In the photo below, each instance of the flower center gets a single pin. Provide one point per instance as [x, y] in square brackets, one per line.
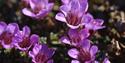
[40, 58]
[75, 38]
[37, 9]
[25, 43]
[73, 19]
[6, 37]
[84, 55]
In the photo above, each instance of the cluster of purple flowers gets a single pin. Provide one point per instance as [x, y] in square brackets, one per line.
[12, 37]
[74, 14]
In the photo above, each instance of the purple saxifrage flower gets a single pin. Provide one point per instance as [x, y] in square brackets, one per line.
[85, 54]
[106, 60]
[90, 23]
[23, 39]
[38, 8]
[7, 34]
[75, 36]
[72, 12]
[41, 54]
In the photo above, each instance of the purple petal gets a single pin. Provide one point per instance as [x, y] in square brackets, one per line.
[41, 13]
[75, 5]
[65, 40]
[12, 28]
[60, 17]
[44, 1]
[106, 60]
[26, 31]
[2, 27]
[36, 49]
[38, 3]
[49, 52]
[75, 61]
[44, 48]
[93, 50]
[88, 61]
[73, 33]
[73, 53]
[87, 18]
[65, 1]
[65, 9]
[98, 27]
[83, 5]
[73, 27]
[98, 24]
[32, 4]
[83, 0]
[50, 61]
[92, 23]
[90, 26]
[84, 33]
[33, 60]
[96, 62]
[88, 21]
[86, 44]
[27, 12]
[50, 6]
[34, 38]
[99, 21]
[31, 54]
[74, 36]
[18, 37]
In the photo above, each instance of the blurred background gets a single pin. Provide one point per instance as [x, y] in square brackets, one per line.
[110, 40]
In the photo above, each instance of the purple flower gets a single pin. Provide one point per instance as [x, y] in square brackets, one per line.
[23, 39]
[72, 12]
[41, 54]
[7, 34]
[91, 23]
[106, 60]
[38, 8]
[75, 36]
[85, 54]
